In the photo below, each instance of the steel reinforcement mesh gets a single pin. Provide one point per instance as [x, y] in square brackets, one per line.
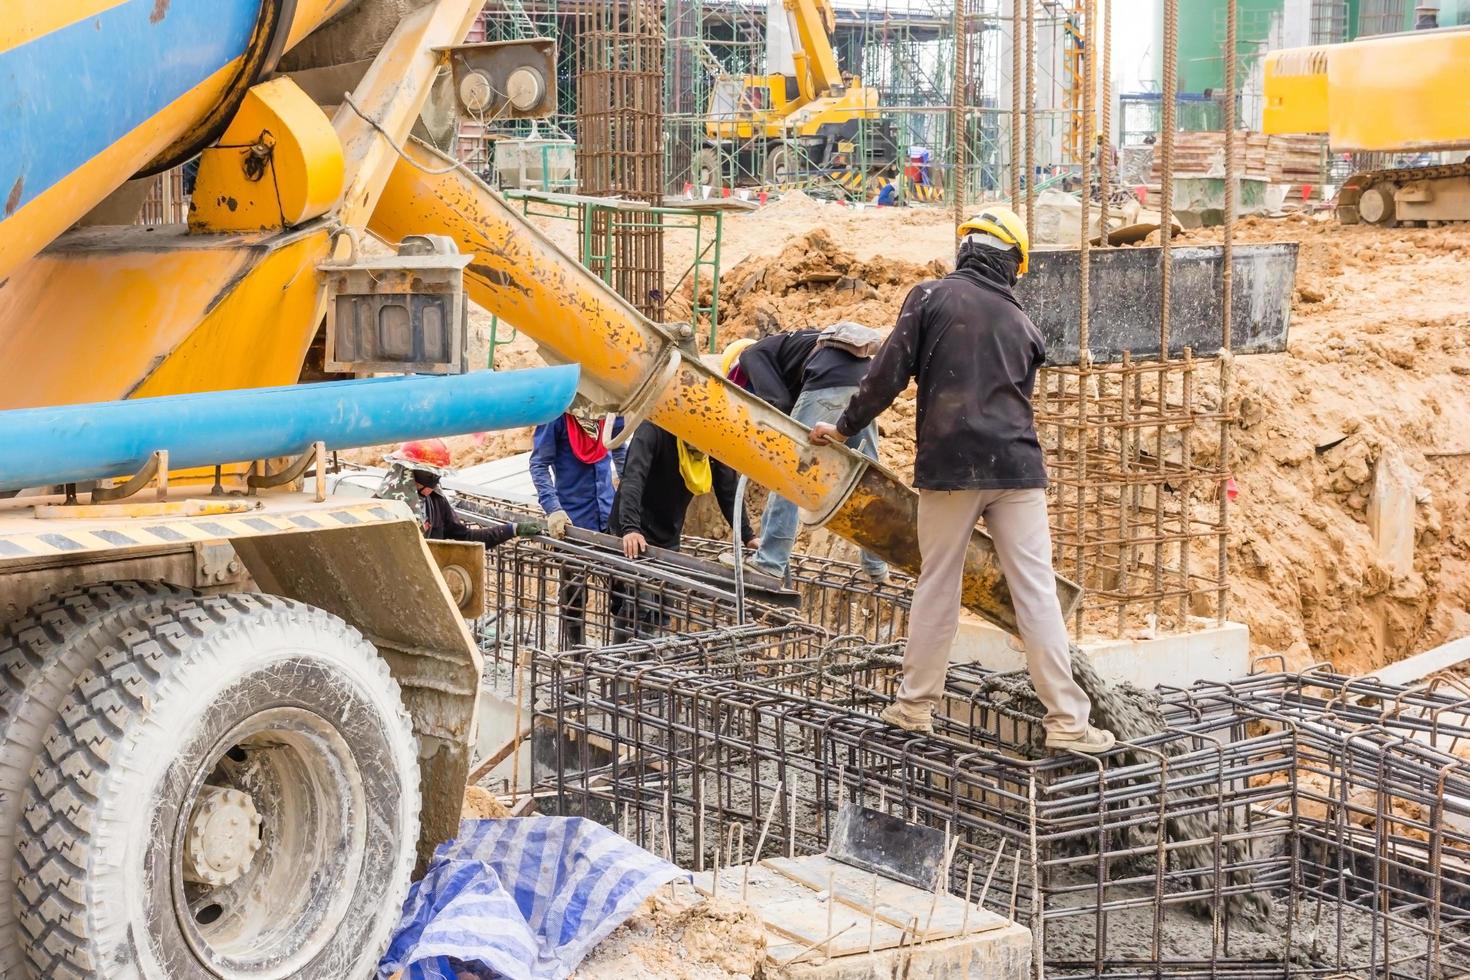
[523, 581]
[1287, 825]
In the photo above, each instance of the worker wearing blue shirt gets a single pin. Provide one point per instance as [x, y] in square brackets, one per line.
[572, 470]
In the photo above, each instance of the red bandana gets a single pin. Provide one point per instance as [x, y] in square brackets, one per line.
[586, 446]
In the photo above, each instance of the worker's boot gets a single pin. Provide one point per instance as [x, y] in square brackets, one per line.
[910, 717]
[1089, 741]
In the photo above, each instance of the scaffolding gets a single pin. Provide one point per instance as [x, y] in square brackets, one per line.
[942, 68]
[620, 153]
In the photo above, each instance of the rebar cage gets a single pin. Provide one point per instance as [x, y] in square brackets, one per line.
[1286, 825]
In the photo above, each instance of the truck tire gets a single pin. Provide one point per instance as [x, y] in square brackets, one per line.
[230, 791]
[706, 168]
[778, 164]
[41, 655]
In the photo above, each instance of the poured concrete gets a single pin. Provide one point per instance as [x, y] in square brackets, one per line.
[828, 921]
[1209, 653]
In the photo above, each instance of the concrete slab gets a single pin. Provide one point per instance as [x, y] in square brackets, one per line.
[1391, 512]
[1210, 653]
[828, 921]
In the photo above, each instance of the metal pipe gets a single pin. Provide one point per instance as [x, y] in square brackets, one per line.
[76, 443]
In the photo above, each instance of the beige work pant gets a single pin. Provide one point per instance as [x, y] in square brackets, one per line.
[1016, 520]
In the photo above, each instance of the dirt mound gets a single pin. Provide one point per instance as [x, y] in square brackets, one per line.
[698, 939]
[814, 281]
[481, 804]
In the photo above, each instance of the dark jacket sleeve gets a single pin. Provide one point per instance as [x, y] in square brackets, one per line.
[629, 515]
[457, 530]
[490, 537]
[725, 480]
[761, 363]
[543, 455]
[895, 363]
[620, 454]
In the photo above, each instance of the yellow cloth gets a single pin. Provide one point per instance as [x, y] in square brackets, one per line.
[694, 468]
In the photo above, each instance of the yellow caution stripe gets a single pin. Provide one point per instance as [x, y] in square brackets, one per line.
[52, 538]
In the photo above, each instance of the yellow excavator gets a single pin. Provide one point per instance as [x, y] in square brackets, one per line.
[238, 711]
[1398, 94]
[777, 128]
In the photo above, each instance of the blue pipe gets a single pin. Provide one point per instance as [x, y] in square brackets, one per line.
[77, 443]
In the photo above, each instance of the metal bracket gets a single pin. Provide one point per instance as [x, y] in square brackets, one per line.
[157, 465]
[292, 471]
[215, 563]
[641, 402]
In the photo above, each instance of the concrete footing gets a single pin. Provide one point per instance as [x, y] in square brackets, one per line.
[499, 716]
[828, 921]
[1210, 653]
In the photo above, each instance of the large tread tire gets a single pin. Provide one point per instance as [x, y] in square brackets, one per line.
[41, 656]
[707, 169]
[97, 880]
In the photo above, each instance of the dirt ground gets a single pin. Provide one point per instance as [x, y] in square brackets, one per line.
[1378, 363]
[680, 938]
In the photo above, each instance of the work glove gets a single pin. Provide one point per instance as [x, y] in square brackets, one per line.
[557, 522]
[529, 529]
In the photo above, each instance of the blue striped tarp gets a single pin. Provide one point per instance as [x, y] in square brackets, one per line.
[523, 898]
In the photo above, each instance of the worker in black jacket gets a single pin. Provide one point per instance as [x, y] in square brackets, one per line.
[441, 523]
[661, 476]
[413, 476]
[810, 375]
[975, 354]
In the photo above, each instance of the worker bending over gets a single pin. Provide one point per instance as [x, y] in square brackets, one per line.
[975, 354]
[572, 470]
[415, 469]
[662, 476]
[810, 375]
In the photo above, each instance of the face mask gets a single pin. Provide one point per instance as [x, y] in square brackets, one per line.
[589, 426]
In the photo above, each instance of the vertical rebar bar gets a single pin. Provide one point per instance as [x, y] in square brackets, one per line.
[1227, 312]
[1029, 121]
[957, 114]
[1105, 158]
[1170, 94]
[1084, 281]
[1017, 71]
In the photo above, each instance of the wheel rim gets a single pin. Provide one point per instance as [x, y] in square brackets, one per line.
[289, 900]
[779, 166]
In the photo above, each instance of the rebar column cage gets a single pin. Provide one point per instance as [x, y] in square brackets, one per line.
[620, 152]
[1289, 825]
[1134, 457]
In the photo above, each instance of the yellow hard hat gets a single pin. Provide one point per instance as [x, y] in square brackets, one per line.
[731, 354]
[1004, 224]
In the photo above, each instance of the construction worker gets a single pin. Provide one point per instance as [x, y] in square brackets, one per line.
[974, 354]
[415, 469]
[810, 375]
[662, 476]
[572, 470]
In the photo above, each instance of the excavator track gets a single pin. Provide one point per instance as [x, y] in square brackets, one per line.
[1368, 196]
